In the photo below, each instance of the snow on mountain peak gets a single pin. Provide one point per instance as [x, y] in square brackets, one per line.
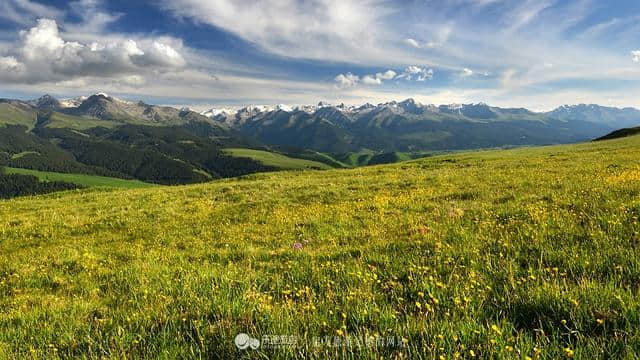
[283, 107]
[73, 102]
[211, 113]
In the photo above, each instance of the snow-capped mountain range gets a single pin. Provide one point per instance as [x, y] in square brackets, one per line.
[409, 125]
[391, 126]
[409, 106]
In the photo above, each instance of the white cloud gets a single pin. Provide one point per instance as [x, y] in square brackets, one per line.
[94, 17]
[417, 73]
[411, 73]
[159, 54]
[371, 80]
[43, 55]
[635, 56]
[10, 64]
[387, 75]
[346, 81]
[412, 42]
[527, 12]
[25, 11]
[318, 29]
[440, 36]
[466, 72]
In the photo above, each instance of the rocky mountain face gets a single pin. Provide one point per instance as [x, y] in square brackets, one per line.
[46, 102]
[104, 107]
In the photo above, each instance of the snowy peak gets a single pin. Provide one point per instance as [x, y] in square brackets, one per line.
[73, 102]
[408, 107]
[282, 107]
[212, 113]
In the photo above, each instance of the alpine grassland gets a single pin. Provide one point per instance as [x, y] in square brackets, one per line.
[530, 253]
[278, 161]
[80, 179]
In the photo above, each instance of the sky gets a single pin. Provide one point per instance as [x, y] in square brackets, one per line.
[537, 54]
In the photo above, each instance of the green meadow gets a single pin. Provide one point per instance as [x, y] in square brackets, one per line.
[277, 160]
[80, 179]
[515, 254]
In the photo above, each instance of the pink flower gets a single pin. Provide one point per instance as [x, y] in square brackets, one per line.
[297, 246]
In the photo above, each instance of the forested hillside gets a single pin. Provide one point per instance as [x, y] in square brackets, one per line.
[14, 185]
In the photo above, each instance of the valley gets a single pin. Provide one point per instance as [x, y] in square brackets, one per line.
[100, 135]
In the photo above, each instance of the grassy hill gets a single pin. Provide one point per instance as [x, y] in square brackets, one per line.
[277, 160]
[620, 133]
[60, 120]
[80, 179]
[12, 113]
[498, 254]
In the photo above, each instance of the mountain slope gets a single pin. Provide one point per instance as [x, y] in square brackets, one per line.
[80, 179]
[103, 135]
[98, 110]
[620, 134]
[611, 117]
[166, 155]
[17, 113]
[484, 245]
[277, 160]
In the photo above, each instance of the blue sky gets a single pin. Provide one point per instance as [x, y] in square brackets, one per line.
[537, 54]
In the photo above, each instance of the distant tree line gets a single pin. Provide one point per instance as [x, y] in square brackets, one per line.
[13, 185]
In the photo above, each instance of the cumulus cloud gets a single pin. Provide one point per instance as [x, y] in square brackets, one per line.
[379, 78]
[387, 75]
[9, 63]
[417, 73]
[42, 55]
[411, 73]
[371, 80]
[635, 56]
[346, 81]
[162, 55]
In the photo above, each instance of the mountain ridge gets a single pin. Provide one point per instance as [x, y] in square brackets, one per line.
[404, 126]
[409, 105]
[411, 126]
